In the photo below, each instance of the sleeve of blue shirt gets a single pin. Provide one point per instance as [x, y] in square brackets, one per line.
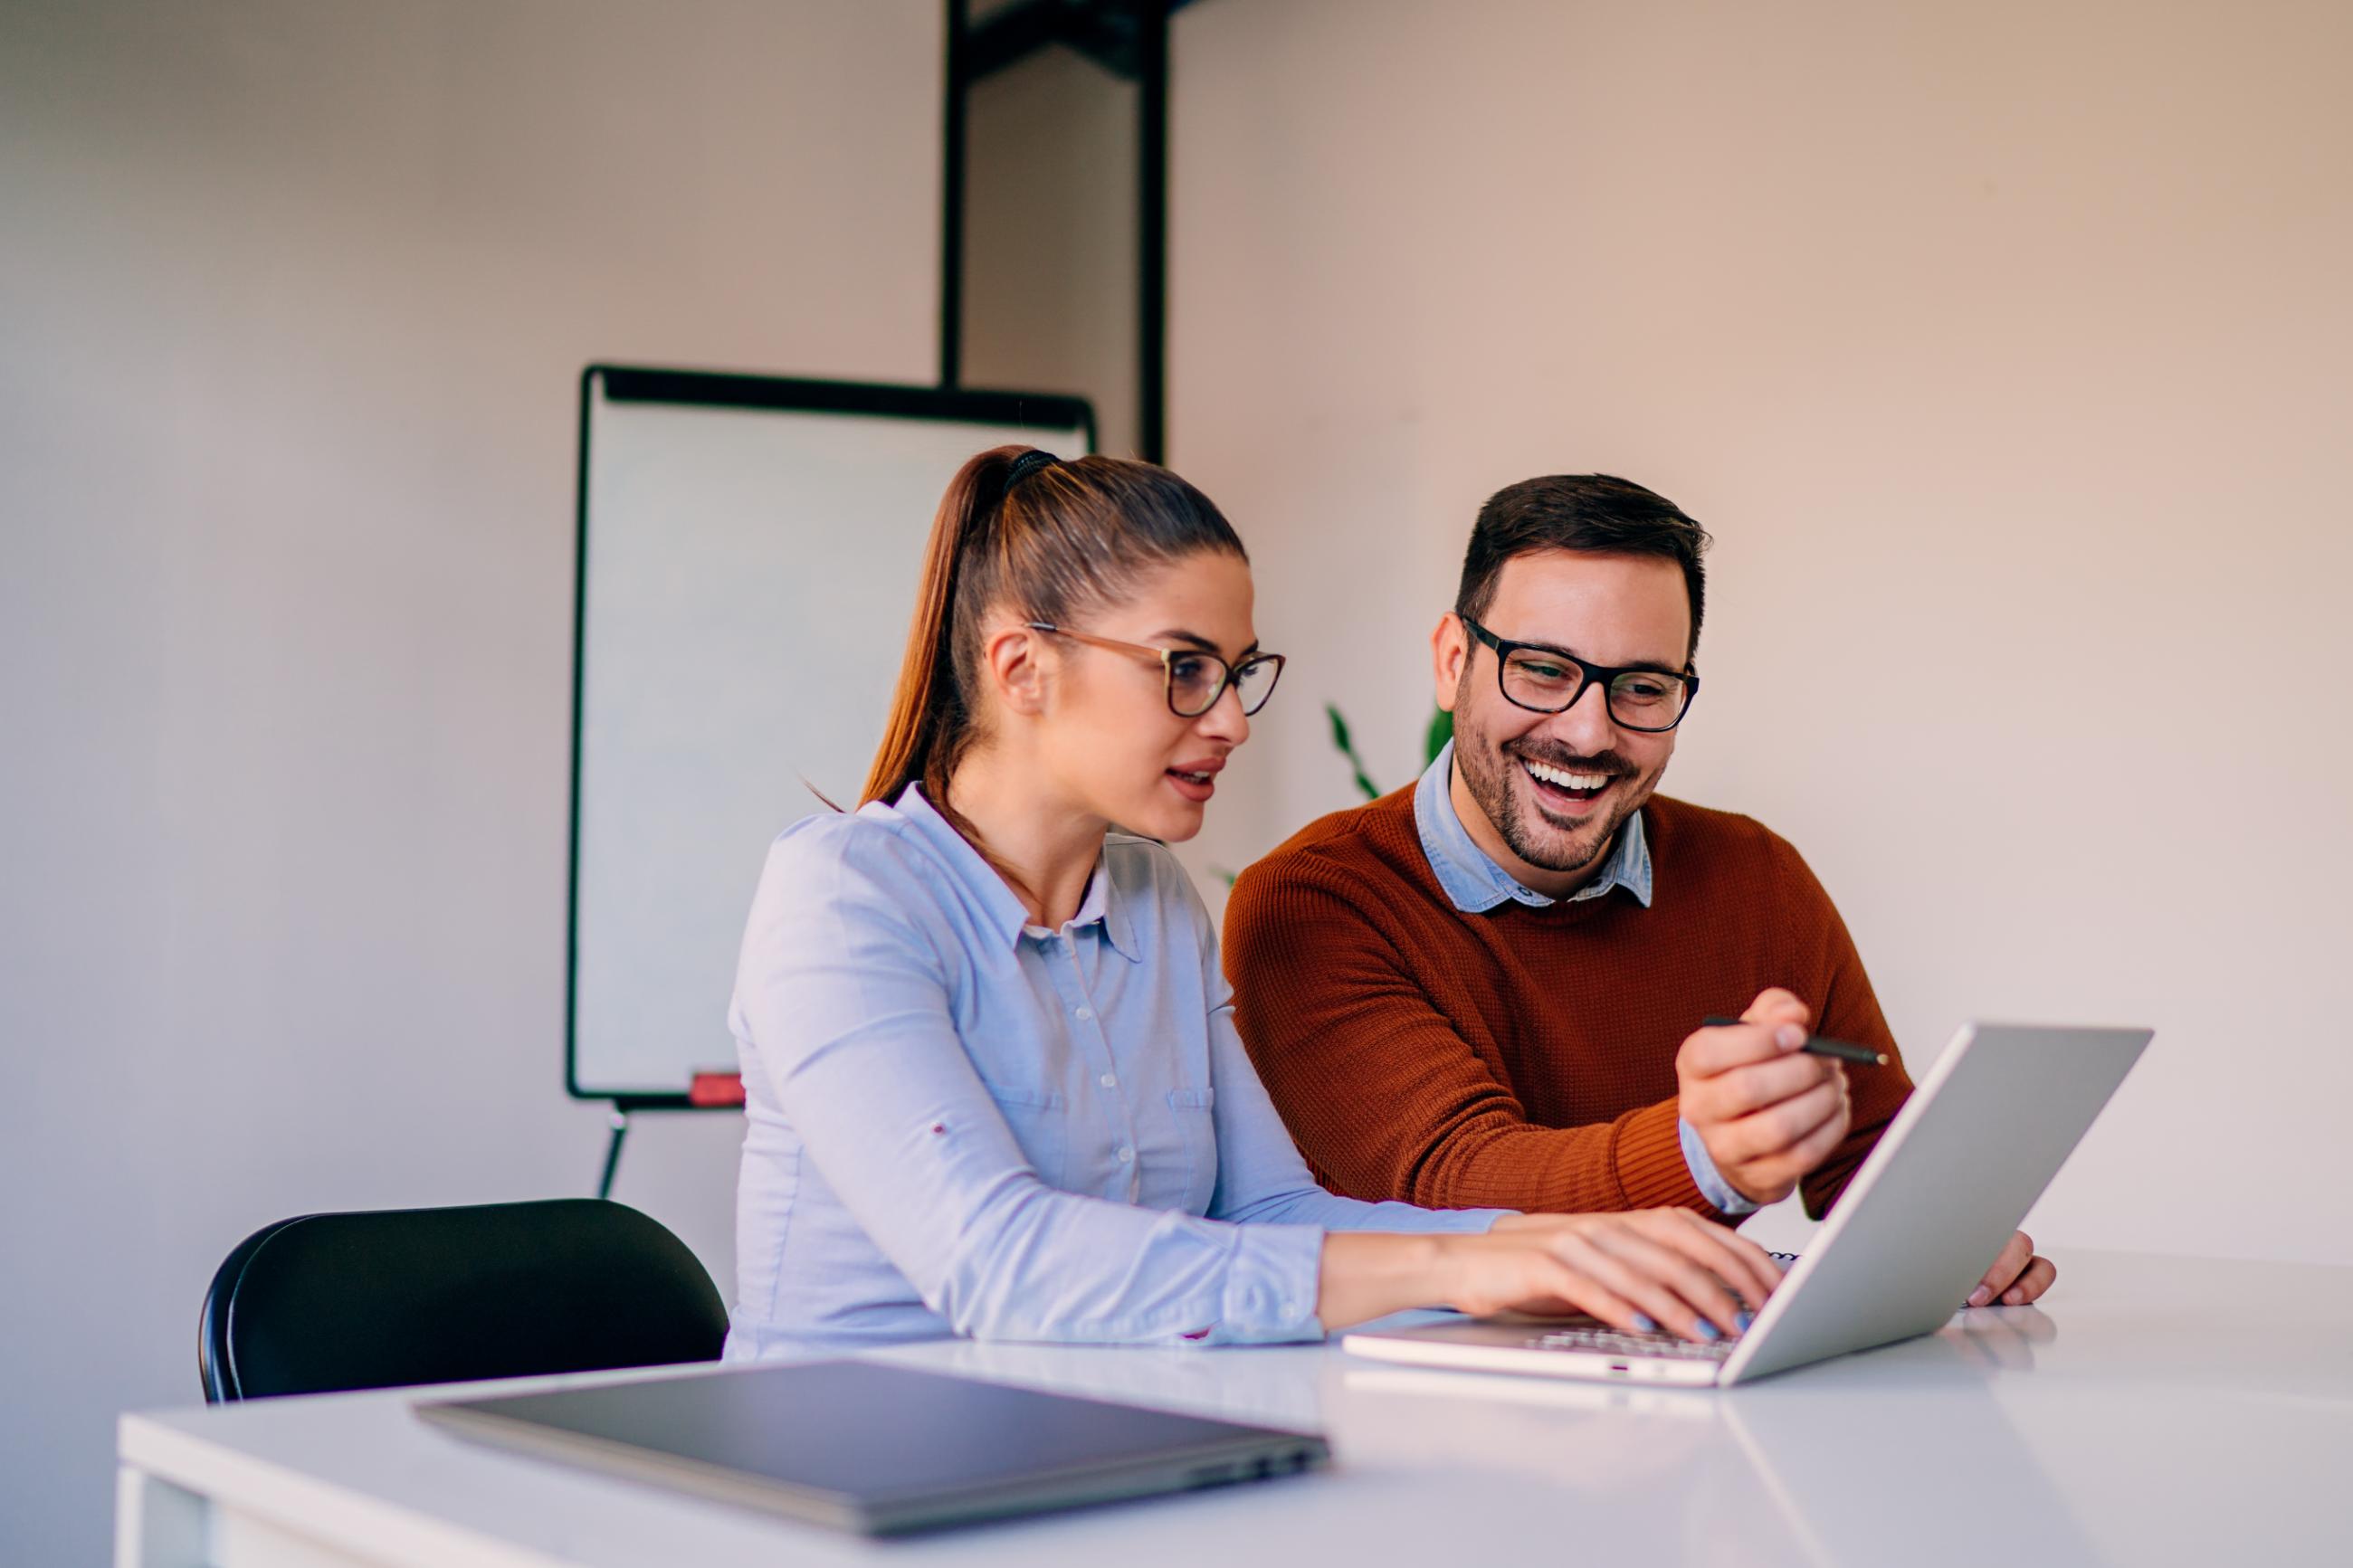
[1706, 1177]
[848, 1002]
[1261, 1177]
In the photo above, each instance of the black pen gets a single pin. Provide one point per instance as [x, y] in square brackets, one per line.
[1818, 1045]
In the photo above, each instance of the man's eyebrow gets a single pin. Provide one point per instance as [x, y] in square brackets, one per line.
[1196, 640]
[1654, 667]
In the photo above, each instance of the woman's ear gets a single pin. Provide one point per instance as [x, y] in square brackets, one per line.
[1012, 665]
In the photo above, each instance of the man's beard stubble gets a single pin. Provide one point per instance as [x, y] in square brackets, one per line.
[1487, 773]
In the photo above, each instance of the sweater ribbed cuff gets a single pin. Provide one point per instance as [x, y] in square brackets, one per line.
[1648, 1154]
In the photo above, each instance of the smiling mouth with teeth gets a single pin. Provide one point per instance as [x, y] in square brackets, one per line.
[1190, 778]
[1575, 784]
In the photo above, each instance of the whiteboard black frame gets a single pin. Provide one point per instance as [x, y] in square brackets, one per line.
[1016, 411]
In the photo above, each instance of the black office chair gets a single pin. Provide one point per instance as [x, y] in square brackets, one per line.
[334, 1301]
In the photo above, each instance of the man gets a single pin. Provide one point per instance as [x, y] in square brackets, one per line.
[1487, 990]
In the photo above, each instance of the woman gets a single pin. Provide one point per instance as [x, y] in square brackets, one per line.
[993, 1081]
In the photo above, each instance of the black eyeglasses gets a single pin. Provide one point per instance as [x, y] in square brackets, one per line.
[1196, 680]
[1545, 679]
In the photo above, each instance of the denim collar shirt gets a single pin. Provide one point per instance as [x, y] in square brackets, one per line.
[958, 1122]
[1469, 874]
[1475, 884]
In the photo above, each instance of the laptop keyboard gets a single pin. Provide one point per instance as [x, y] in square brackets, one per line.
[1612, 1342]
[1607, 1340]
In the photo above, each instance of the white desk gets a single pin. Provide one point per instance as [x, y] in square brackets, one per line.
[2162, 1411]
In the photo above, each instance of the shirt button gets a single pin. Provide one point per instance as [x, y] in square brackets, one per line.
[1110, 1080]
[1126, 1155]
[1086, 1014]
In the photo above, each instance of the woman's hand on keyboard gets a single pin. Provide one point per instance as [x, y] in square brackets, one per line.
[1642, 1270]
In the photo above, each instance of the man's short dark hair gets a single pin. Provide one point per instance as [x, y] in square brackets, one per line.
[1596, 512]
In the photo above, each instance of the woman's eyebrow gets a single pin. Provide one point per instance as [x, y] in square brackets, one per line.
[1200, 643]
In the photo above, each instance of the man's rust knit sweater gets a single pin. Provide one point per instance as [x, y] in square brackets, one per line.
[1524, 1057]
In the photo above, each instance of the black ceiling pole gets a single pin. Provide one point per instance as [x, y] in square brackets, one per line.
[951, 194]
[1152, 229]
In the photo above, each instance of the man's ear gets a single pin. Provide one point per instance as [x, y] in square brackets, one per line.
[1449, 646]
[1012, 668]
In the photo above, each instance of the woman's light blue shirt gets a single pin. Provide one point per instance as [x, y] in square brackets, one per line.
[960, 1123]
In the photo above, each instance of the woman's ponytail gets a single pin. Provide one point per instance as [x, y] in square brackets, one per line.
[928, 723]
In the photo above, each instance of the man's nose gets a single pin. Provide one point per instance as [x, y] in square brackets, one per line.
[1585, 725]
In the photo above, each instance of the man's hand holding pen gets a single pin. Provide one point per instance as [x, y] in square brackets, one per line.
[1768, 1110]
[1771, 1102]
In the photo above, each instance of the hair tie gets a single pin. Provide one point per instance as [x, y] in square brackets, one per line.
[1027, 464]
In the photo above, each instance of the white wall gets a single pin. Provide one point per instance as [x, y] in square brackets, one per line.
[1049, 232]
[2003, 347]
[294, 296]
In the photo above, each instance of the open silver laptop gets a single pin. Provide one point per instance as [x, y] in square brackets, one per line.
[1951, 1177]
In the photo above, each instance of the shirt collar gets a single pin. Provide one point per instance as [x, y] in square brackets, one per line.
[1106, 901]
[1105, 904]
[1471, 877]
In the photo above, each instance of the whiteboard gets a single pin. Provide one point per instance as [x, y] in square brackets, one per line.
[747, 561]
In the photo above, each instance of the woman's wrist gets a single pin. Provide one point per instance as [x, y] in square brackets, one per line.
[1365, 1275]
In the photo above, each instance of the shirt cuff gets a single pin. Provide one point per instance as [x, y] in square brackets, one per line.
[1406, 1218]
[1272, 1284]
[1706, 1177]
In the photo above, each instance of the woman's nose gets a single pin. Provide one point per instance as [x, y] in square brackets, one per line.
[1224, 720]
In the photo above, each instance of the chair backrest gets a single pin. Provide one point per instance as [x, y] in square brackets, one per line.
[404, 1296]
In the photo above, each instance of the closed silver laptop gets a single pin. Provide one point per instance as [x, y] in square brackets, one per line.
[877, 1448]
[1952, 1176]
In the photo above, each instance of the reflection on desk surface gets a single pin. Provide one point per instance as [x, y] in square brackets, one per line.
[1845, 1497]
[1770, 1475]
[1272, 1387]
[1982, 1443]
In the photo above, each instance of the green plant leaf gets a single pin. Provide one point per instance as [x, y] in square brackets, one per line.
[1347, 749]
[1442, 729]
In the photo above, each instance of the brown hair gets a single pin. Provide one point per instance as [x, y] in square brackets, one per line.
[1021, 530]
[1598, 512]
